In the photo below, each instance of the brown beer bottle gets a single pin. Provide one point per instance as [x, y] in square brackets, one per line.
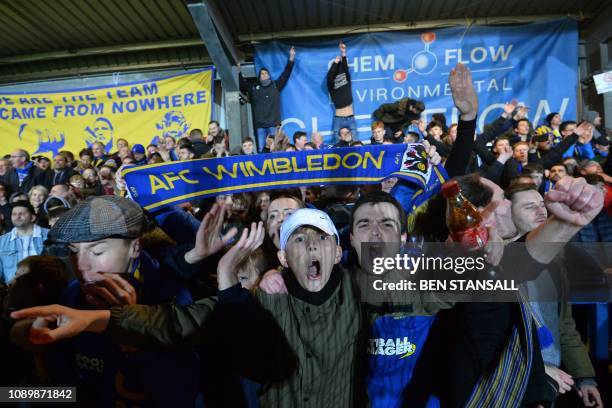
[463, 219]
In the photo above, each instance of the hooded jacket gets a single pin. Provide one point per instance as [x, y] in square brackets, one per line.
[265, 98]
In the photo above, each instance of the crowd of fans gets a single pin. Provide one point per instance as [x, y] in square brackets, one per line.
[254, 298]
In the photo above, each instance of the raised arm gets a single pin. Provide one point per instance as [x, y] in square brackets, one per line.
[466, 101]
[582, 135]
[242, 82]
[500, 125]
[331, 74]
[573, 204]
[345, 66]
[284, 77]
[495, 170]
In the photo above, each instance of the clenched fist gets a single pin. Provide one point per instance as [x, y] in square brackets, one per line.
[574, 201]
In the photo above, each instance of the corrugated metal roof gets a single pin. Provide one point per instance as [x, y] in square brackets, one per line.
[49, 31]
[53, 38]
[32, 26]
[249, 19]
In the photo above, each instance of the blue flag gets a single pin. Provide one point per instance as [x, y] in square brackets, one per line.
[535, 63]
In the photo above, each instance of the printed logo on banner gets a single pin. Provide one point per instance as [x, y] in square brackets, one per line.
[414, 161]
[422, 63]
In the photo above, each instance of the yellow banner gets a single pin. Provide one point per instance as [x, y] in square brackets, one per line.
[72, 119]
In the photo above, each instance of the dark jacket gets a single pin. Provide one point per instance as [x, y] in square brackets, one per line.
[459, 155]
[555, 154]
[396, 115]
[502, 174]
[342, 143]
[7, 224]
[53, 177]
[497, 128]
[442, 148]
[200, 148]
[34, 177]
[266, 99]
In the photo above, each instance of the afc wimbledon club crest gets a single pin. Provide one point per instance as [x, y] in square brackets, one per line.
[414, 162]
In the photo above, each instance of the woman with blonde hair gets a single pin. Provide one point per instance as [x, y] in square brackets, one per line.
[37, 196]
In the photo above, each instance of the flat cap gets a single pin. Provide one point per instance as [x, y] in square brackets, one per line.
[99, 218]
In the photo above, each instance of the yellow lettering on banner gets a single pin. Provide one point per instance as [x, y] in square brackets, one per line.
[281, 165]
[376, 162]
[295, 166]
[243, 170]
[311, 164]
[265, 169]
[170, 178]
[185, 179]
[327, 165]
[352, 166]
[221, 169]
[157, 184]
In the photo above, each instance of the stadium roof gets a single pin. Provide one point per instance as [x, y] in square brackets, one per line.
[44, 39]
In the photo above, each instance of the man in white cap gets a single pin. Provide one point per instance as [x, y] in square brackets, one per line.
[319, 316]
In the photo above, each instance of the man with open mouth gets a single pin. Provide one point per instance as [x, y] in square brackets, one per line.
[301, 345]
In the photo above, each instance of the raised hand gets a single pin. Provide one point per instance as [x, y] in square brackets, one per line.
[272, 282]
[280, 137]
[422, 125]
[521, 113]
[342, 47]
[494, 248]
[584, 132]
[505, 154]
[464, 94]
[432, 155]
[292, 54]
[574, 201]
[509, 107]
[249, 241]
[119, 179]
[209, 239]
[55, 322]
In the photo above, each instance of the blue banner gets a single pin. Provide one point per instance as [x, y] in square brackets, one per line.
[159, 185]
[535, 63]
